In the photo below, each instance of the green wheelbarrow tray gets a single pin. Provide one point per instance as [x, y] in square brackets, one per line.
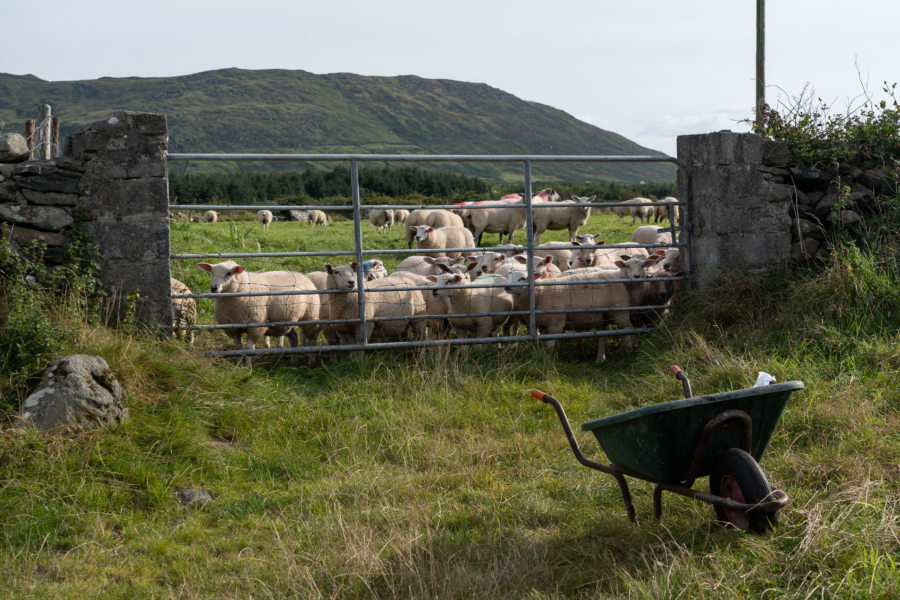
[661, 442]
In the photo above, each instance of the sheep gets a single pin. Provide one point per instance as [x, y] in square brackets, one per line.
[230, 277]
[416, 217]
[606, 296]
[210, 216]
[473, 300]
[594, 257]
[393, 303]
[647, 234]
[184, 311]
[501, 220]
[317, 217]
[426, 265]
[374, 269]
[653, 292]
[661, 211]
[436, 307]
[501, 264]
[561, 217]
[400, 215]
[638, 211]
[264, 217]
[381, 219]
[439, 218]
[430, 238]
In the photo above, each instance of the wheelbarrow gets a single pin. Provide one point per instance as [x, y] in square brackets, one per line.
[672, 444]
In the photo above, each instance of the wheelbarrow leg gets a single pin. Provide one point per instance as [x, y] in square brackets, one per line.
[611, 469]
[657, 503]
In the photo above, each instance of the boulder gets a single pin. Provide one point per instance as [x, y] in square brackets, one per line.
[13, 148]
[76, 390]
[299, 215]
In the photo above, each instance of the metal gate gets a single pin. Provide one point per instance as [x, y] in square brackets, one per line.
[680, 239]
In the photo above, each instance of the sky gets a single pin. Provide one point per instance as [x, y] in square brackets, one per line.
[649, 70]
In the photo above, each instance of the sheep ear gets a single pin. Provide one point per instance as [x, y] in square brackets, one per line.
[601, 242]
[205, 266]
[412, 228]
[457, 278]
[624, 256]
[237, 270]
[354, 265]
[592, 198]
[431, 278]
[329, 269]
[548, 260]
[660, 253]
[430, 229]
[620, 264]
[471, 260]
[500, 257]
[428, 259]
[447, 269]
[522, 260]
[459, 260]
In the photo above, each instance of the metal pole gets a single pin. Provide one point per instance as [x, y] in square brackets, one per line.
[760, 56]
[529, 238]
[357, 235]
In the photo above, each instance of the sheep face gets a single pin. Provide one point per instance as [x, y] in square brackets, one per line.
[515, 278]
[224, 274]
[446, 283]
[484, 264]
[636, 267]
[344, 277]
[421, 232]
[374, 269]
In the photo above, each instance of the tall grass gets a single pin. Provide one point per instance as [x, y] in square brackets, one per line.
[436, 475]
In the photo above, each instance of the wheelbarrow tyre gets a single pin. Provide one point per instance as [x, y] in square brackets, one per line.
[737, 476]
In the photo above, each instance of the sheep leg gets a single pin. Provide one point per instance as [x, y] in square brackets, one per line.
[292, 336]
[601, 349]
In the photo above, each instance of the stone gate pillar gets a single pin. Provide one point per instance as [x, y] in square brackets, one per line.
[740, 215]
[123, 207]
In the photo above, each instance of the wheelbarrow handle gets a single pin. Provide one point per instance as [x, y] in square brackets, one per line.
[683, 378]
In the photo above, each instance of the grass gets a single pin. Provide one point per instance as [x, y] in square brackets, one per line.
[436, 475]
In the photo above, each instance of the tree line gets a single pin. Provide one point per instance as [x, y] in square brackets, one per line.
[399, 183]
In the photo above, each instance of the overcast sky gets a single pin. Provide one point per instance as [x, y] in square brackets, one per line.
[648, 70]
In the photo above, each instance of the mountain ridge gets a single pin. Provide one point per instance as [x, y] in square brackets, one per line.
[296, 111]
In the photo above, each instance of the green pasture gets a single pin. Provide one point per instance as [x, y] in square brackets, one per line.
[436, 475]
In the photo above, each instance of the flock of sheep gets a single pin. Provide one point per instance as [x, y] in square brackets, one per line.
[455, 288]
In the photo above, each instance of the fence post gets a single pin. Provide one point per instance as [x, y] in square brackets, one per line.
[54, 146]
[44, 128]
[29, 137]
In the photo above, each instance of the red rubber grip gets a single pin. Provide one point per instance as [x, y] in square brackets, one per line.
[539, 394]
[675, 369]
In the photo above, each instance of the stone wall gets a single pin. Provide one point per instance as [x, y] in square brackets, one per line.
[739, 215]
[112, 182]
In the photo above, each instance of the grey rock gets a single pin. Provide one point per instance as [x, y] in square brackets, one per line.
[193, 497]
[50, 198]
[805, 250]
[844, 218]
[807, 228]
[76, 390]
[13, 148]
[299, 215]
[776, 154]
[810, 175]
[50, 218]
[25, 235]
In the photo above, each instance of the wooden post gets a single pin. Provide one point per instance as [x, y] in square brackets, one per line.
[29, 137]
[760, 56]
[55, 137]
[44, 132]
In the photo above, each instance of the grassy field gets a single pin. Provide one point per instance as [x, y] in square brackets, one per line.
[436, 475]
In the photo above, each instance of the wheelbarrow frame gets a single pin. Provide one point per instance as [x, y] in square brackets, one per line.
[770, 503]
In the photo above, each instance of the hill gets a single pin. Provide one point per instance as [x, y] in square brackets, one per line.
[280, 111]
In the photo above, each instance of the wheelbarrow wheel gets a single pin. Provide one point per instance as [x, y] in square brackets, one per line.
[737, 476]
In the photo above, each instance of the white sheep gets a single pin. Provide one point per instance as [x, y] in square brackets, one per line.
[387, 303]
[317, 217]
[400, 215]
[603, 296]
[427, 265]
[440, 217]
[381, 219]
[416, 217]
[561, 216]
[464, 299]
[429, 238]
[374, 269]
[184, 312]
[264, 217]
[210, 216]
[662, 210]
[230, 277]
[501, 220]
[641, 208]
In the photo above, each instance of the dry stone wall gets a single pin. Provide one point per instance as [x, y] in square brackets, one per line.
[112, 182]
